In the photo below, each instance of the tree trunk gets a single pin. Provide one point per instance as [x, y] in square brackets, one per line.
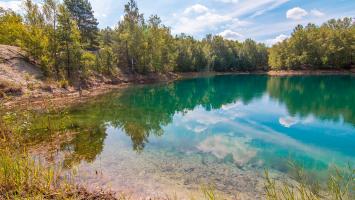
[68, 60]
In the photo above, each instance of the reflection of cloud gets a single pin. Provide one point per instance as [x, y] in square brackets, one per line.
[232, 106]
[232, 111]
[200, 116]
[308, 120]
[196, 129]
[291, 121]
[222, 146]
[288, 121]
[252, 129]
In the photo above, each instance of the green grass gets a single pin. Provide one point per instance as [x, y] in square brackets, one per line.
[23, 177]
[340, 185]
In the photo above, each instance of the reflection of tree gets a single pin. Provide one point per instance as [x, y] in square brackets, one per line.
[326, 97]
[142, 111]
[86, 145]
[80, 138]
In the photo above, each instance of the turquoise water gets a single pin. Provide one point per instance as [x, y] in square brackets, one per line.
[221, 130]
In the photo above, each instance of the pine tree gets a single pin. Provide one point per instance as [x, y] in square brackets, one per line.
[81, 11]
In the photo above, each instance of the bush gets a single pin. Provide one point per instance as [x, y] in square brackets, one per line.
[64, 84]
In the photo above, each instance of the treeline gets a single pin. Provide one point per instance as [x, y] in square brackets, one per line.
[331, 45]
[148, 46]
[65, 40]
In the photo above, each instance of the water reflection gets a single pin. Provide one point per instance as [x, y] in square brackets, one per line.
[326, 97]
[261, 112]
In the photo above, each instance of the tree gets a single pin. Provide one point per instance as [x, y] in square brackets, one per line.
[129, 39]
[36, 42]
[82, 13]
[69, 36]
[313, 47]
[12, 29]
[106, 61]
[50, 10]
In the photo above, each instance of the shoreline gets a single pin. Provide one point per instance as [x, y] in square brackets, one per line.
[72, 96]
[306, 72]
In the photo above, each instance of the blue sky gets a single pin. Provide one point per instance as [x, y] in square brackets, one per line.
[266, 21]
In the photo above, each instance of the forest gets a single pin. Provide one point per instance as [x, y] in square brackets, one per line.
[330, 45]
[66, 43]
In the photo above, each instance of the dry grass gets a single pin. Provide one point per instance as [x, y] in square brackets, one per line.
[7, 88]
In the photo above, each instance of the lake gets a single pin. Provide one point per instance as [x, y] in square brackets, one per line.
[223, 131]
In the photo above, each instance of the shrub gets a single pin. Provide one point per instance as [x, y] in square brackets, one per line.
[64, 84]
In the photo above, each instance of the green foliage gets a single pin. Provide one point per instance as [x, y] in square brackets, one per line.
[149, 47]
[106, 61]
[51, 11]
[70, 47]
[328, 46]
[12, 28]
[81, 11]
[88, 61]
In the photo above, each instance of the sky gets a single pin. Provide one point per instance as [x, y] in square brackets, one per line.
[267, 21]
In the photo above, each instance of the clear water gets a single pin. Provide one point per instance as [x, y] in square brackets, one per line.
[222, 131]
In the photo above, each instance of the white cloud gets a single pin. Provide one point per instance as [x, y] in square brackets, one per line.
[317, 13]
[256, 7]
[13, 5]
[197, 8]
[190, 23]
[231, 35]
[296, 13]
[237, 23]
[228, 1]
[272, 6]
[276, 40]
[198, 19]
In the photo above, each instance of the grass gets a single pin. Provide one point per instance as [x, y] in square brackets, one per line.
[339, 186]
[7, 88]
[23, 177]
